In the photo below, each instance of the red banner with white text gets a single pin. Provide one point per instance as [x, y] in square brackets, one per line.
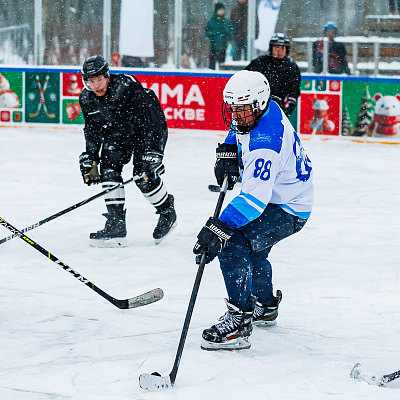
[189, 102]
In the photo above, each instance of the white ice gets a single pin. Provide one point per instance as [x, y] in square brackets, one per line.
[339, 277]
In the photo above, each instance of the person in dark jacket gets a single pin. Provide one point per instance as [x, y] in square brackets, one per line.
[219, 31]
[238, 20]
[337, 55]
[123, 119]
[282, 73]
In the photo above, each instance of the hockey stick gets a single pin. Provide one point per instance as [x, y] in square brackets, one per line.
[41, 102]
[75, 206]
[133, 302]
[360, 373]
[155, 381]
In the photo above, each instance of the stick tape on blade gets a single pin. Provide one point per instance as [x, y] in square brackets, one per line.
[146, 298]
[154, 382]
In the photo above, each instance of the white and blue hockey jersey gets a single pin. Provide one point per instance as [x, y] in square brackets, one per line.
[274, 168]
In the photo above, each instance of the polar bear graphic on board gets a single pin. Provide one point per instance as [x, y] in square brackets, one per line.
[8, 99]
[386, 120]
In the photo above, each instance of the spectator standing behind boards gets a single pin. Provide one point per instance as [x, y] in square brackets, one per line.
[337, 56]
[239, 24]
[282, 73]
[219, 31]
[392, 6]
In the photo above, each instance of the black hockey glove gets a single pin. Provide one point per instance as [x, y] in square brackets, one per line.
[290, 105]
[212, 239]
[227, 164]
[150, 164]
[89, 169]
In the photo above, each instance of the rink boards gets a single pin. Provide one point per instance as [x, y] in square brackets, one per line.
[329, 105]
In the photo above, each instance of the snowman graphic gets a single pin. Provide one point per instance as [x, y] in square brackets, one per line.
[386, 120]
[8, 99]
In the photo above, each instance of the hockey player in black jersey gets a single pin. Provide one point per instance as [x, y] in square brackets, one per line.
[123, 119]
[282, 73]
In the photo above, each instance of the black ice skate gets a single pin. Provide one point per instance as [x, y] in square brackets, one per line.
[266, 315]
[167, 220]
[230, 334]
[113, 234]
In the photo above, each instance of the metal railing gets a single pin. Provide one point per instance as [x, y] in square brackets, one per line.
[366, 54]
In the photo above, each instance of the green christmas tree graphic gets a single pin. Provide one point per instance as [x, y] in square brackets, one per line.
[365, 114]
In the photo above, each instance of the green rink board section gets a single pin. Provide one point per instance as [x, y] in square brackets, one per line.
[42, 97]
[41, 100]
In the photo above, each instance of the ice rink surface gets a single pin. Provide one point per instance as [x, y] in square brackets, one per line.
[339, 277]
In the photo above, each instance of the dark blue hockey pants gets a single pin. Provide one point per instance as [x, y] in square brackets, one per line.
[244, 259]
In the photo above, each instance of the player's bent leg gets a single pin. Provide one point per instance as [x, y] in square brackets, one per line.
[237, 270]
[265, 304]
[154, 191]
[114, 233]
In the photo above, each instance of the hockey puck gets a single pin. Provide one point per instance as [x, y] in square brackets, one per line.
[156, 374]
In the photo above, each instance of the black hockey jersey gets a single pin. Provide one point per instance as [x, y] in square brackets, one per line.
[283, 76]
[127, 117]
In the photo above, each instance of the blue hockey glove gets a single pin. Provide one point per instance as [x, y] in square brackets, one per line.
[227, 164]
[89, 171]
[211, 239]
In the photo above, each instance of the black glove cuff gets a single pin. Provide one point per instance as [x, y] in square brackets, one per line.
[152, 157]
[219, 228]
[225, 150]
[85, 163]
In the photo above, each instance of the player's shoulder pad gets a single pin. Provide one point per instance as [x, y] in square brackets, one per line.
[268, 134]
[129, 79]
[84, 96]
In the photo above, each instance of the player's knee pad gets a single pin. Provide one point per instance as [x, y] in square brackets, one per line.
[111, 175]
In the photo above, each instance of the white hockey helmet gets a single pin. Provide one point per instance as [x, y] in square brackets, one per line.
[247, 87]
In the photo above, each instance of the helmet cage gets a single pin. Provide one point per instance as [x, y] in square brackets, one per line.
[250, 120]
[245, 88]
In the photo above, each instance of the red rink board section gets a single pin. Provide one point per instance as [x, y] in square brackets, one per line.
[189, 102]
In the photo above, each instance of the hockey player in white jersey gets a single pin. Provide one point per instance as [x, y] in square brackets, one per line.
[275, 202]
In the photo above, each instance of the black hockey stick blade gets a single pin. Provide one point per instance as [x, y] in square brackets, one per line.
[133, 302]
[214, 188]
[362, 374]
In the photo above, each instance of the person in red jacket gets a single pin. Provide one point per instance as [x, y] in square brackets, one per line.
[337, 55]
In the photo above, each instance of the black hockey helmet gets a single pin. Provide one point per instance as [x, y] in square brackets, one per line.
[95, 66]
[280, 39]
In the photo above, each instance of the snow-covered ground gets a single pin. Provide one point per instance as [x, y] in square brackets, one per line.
[339, 277]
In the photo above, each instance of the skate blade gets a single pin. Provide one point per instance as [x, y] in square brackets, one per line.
[263, 324]
[172, 228]
[234, 344]
[114, 242]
